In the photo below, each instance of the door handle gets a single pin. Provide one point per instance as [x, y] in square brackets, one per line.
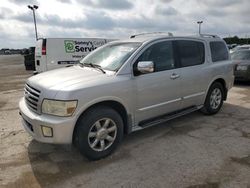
[174, 76]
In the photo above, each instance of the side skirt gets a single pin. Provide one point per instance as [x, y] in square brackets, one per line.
[164, 118]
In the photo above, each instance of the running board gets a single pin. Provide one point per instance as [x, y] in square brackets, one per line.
[167, 117]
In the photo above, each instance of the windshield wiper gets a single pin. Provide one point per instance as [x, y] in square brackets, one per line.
[94, 66]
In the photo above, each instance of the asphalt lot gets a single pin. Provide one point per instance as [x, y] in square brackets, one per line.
[194, 151]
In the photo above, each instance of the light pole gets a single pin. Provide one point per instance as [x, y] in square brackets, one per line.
[199, 23]
[33, 8]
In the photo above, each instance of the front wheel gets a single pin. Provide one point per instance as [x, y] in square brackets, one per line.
[99, 132]
[214, 99]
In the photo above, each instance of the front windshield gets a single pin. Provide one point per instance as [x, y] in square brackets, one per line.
[111, 57]
[241, 55]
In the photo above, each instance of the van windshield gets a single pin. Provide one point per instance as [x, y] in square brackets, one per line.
[111, 57]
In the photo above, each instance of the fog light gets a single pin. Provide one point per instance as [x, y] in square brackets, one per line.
[47, 131]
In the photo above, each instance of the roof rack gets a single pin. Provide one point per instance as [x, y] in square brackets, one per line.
[209, 35]
[152, 33]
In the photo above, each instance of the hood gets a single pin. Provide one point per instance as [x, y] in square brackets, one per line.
[64, 77]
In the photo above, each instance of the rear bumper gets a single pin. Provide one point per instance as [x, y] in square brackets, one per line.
[62, 126]
[242, 75]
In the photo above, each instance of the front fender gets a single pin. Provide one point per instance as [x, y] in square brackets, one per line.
[83, 108]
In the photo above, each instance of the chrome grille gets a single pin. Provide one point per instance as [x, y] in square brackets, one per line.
[31, 97]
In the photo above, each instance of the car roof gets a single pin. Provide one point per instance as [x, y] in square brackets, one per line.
[148, 38]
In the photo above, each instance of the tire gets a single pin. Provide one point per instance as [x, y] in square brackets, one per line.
[92, 138]
[210, 106]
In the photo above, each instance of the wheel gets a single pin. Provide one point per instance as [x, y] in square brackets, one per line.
[98, 132]
[214, 99]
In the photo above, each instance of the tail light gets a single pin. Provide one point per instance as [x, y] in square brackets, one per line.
[44, 47]
[44, 51]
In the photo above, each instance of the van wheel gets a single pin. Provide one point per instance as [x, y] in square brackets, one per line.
[214, 99]
[98, 132]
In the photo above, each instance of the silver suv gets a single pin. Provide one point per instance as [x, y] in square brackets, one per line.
[126, 86]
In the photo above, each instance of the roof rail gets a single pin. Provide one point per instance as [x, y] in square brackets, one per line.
[152, 33]
[209, 35]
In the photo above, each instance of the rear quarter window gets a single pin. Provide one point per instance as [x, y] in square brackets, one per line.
[219, 51]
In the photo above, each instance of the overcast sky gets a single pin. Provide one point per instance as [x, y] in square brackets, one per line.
[119, 18]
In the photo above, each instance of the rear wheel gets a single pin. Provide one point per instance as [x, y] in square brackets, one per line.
[214, 99]
[99, 132]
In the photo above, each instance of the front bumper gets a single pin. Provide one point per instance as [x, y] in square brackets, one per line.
[63, 127]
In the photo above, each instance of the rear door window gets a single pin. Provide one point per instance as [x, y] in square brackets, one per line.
[219, 51]
[190, 53]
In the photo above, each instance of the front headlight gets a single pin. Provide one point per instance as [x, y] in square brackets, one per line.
[58, 108]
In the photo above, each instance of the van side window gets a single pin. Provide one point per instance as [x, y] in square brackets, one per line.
[161, 54]
[218, 51]
[191, 52]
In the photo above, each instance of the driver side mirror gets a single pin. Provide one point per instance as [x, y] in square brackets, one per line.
[145, 67]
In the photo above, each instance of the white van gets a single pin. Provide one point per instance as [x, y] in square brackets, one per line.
[52, 53]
